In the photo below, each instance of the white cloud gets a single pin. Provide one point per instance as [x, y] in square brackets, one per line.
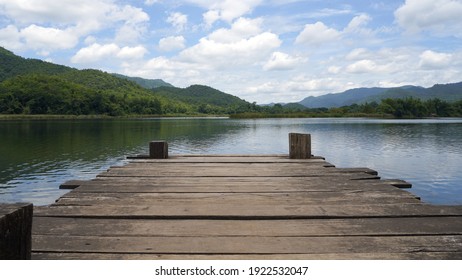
[242, 28]
[281, 61]
[151, 2]
[128, 53]
[442, 17]
[358, 22]
[172, 43]
[10, 38]
[94, 53]
[334, 69]
[434, 60]
[128, 14]
[42, 38]
[62, 12]
[362, 66]
[358, 54]
[97, 52]
[128, 33]
[51, 25]
[243, 44]
[210, 18]
[317, 34]
[295, 89]
[179, 73]
[224, 55]
[357, 26]
[226, 10]
[178, 20]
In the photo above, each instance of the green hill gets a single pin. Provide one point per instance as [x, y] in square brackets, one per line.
[145, 83]
[198, 94]
[31, 86]
[448, 92]
[207, 99]
[12, 65]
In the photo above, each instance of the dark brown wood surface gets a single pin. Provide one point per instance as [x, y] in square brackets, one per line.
[15, 231]
[243, 207]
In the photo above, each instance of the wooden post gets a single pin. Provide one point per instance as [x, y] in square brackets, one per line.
[158, 149]
[299, 146]
[15, 231]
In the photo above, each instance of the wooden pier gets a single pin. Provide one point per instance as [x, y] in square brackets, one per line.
[243, 207]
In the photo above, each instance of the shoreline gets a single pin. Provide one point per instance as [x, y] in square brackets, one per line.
[231, 116]
[99, 117]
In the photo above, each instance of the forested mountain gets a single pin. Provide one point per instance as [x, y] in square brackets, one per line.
[12, 65]
[146, 83]
[448, 92]
[345, 98]
[30, 86]
[207, 100]
[201, 95]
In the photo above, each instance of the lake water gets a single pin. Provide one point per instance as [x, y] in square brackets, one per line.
[37, 156]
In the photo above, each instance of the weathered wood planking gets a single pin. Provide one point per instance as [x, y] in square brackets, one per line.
[243, 207]
[250, 245]
[334, 256]
[231, 159]
[232, 170]
[15, 231]
[275, 198]
[283, 227]
[169, 209]
[232, 184]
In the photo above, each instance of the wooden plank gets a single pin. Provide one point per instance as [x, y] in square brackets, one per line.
[299, 146]
[216, 159]
[71, 184]
[282, 182]
[158, 149]
[301, 227]
[238, 207]
[15, 231]
[230, 171]
[281, 165]
[268, 175]
[251, 211]
[398, 183]
[249, 245]
[153, 187]
[249, 195]
[352, 197]
[332, 256]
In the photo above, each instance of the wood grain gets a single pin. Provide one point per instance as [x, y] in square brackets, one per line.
[243, 207]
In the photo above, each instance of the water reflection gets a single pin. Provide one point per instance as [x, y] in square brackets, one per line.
[36, 156]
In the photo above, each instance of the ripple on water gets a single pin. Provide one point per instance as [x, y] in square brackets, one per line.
[427, 153]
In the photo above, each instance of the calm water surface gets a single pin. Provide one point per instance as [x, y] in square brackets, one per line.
[37, 156]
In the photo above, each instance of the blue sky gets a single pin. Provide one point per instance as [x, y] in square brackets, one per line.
[260, 50]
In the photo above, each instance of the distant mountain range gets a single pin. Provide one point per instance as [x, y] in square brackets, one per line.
[447, 92]
[32, 86]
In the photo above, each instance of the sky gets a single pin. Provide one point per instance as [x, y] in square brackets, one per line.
[260, 50]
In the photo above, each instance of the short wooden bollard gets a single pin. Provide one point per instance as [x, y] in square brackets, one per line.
[299, 146]
[15, 231]
[158, 149]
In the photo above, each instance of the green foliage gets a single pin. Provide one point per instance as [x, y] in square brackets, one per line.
[145, 83]
[43, 94]
[12, 66]
[205, 100]
[30, 86]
